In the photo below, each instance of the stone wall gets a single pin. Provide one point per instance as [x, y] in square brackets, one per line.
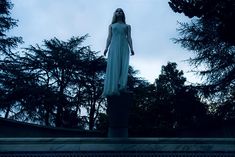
[11, 128]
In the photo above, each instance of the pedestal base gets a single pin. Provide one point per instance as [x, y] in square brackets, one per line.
[118, 111]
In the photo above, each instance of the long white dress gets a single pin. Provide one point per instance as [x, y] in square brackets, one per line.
[118, 61]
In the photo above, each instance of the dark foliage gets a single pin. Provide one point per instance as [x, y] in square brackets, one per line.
[6, 66]
[179, 105]
[7, 23]
[166, 105]
[60, 83]
[211, 35]
[48, 82]
[220, 11]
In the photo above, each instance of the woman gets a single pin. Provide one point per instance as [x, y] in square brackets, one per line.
[118, 46]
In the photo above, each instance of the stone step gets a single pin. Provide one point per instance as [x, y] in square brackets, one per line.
[183, 145]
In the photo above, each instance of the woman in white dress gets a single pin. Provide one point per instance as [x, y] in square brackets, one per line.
[118, 46]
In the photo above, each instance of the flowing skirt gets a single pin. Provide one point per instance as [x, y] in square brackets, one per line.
[117, 67]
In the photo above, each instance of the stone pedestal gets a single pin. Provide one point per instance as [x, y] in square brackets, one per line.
[118, 111]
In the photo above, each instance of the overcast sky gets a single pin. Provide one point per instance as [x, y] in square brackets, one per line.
[153, 25]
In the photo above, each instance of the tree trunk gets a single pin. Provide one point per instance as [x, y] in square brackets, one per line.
[47, 115]
[59, 116]
[60, 106]
[91, 117]
[7, 112]
[61, 102]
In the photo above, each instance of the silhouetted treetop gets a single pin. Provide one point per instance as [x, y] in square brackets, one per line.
[211, 36]
[5, 6]
[171, 79]
[7, 23]
[219, 12]
[204, 8]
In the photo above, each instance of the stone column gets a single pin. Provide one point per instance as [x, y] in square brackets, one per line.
[118, 111]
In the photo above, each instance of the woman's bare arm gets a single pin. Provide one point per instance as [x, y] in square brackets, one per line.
[108, 40]
[130, 39]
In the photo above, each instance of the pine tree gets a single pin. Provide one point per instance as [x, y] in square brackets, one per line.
[177, 105]
[211, 36]
[7, 57]
[7, 23]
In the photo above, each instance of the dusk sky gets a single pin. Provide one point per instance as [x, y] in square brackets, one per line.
[153, 25]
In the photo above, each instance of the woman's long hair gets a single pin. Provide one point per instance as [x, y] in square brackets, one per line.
[114, 20]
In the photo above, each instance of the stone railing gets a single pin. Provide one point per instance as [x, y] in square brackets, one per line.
[117, 147]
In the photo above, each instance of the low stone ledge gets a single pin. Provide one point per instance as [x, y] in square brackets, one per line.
[118, 144]
[16, 129]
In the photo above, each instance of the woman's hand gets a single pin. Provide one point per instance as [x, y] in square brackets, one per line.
[132, 52]
[105, 51]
